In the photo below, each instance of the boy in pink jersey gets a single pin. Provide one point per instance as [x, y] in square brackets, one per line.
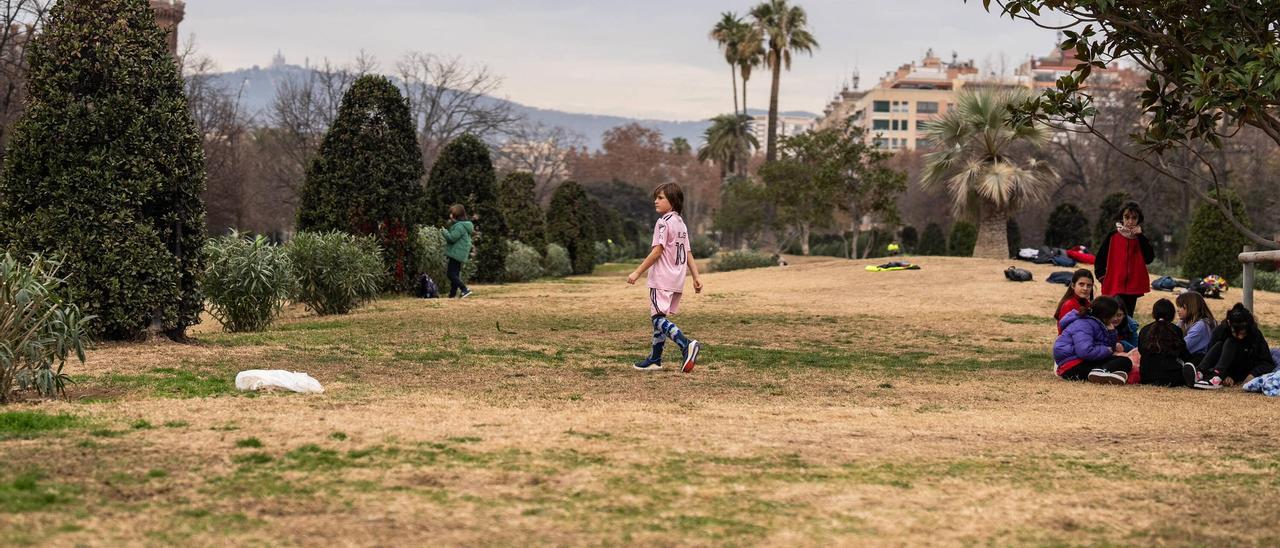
[670, 259]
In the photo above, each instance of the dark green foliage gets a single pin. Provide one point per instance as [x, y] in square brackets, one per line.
[367, 177]
[105, 169]
[336, 271]
[1067, 227]
[933, 241]
[1108, 215]
[1014, 234]
[964, 236]
[627, 216]
[1213, 245]
[703, 247]
[525, 221]
[743, 211]
[568, 224]
[463, 174]
[738, 260]
[910, 239]
[247, 280]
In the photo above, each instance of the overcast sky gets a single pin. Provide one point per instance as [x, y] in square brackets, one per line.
[638, 58]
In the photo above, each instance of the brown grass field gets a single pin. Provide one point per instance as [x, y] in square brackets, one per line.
[831, 406]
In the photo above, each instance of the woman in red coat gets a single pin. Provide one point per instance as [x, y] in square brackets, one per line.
[1123, 258]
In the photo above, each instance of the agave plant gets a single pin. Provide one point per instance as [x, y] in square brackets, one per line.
[39, 330]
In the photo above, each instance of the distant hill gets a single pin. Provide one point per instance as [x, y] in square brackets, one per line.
[260, 88]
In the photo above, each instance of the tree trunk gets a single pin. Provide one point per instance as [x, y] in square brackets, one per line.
[855, 227]
[771, 150]
[993, 237]
[744, 97]
[733, 77]
[804, 239]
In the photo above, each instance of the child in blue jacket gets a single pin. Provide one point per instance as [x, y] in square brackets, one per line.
[1087, 347]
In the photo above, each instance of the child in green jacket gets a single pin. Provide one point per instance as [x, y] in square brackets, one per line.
[458, 248]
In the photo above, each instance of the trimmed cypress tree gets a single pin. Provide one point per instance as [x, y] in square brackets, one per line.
[1108, 215]
[525, 221]
[568, 224]
[1067, 227]
[910, 239]
[1213, 245]
[964, 236]
[933, 241]
[367, 177]
[463, 174]
[105, 169]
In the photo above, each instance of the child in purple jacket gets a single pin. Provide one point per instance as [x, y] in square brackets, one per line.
[1087, 347]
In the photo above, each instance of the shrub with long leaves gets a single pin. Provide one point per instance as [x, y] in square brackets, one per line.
[336, 272]
[524, 263]
[246, 280]
[557, 262]
[38, 328]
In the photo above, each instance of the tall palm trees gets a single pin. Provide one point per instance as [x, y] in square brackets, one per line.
[977, 161]
[729, 34]
[786, 27]
[729, 143]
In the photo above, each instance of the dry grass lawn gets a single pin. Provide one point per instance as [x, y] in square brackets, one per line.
[831, 406]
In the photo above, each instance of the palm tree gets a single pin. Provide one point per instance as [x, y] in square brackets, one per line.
[750, 55]
[787, 29]
[727, 33]
[978, 161]
[728, 142]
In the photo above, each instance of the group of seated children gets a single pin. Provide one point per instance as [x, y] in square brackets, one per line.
[1182, 346]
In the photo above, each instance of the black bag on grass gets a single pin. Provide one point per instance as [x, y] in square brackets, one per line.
[426, 288]
[1015, 274]
[1060, 277]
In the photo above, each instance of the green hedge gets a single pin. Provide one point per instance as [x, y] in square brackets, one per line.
[247, 281]
[739, 260]
[337, 272]
[524, 263]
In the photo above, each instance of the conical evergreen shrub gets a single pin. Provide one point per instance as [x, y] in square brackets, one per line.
[964, 237]
[568, 225]
[463, 174]
[1213, 245]
[933, 241]
[525, 221]
[105, 169]
[1067, 227]
[367, 177]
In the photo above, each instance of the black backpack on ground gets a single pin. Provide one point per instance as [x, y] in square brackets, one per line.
[426, 288]
[1015, 274]
[1060, 277]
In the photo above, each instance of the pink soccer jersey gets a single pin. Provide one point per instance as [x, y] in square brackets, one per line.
[668, 273]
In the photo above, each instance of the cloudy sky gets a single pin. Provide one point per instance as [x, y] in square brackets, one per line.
[638, 58]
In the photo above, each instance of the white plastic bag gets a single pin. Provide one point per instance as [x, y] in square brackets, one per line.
[257, 379]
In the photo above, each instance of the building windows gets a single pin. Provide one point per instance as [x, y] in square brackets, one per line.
[922, 143]
[881, 142]
[926, 107]
[901, 106]
[881, 124]
[880, 106]
[922, 125]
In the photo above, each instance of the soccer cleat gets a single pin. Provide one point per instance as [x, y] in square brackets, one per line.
[648, 364]
[1189, 373]
[1106, 377]
[691, 355]
[1209, 384]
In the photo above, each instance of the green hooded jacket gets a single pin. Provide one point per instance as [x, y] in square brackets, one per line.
[458, 240]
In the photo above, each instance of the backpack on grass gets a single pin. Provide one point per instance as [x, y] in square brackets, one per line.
[426, 288]
[1060, 277]
[1015, 274]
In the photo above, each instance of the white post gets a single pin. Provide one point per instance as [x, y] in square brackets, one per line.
[1248, 281]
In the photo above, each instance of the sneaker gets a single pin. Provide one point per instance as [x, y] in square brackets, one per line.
[691, 355]
[1106, 377]
[464, 294]
[1190, 374]
[1210, 384]
[648, 364]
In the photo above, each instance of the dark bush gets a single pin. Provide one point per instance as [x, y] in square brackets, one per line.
[105, 169]
[703, 247]
[964, 236]
[1014, 235]
[1213, 245]
[739, 260]
[933, 241]
[525, 221]
[567, 226]
[1067, 227]
[336, 271]
[910, 239]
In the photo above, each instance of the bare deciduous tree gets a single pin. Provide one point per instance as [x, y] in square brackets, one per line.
[448, 98]
[540, 150]
[19, 21]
